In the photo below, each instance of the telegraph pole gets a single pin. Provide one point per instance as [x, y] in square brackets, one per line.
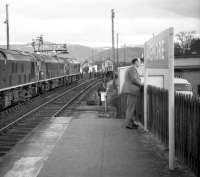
[7, 27]
[117, 50]
[113, 44]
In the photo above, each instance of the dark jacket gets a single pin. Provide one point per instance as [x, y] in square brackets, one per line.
[132, 82]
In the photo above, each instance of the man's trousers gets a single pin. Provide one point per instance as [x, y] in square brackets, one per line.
[130, 110]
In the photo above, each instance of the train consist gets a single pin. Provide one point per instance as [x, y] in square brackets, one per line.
[24, 75]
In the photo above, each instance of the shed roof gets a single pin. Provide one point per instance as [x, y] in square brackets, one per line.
[187, 63]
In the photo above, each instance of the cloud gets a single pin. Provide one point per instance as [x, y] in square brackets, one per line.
[189, 8]
[52, 9]
[89, 21]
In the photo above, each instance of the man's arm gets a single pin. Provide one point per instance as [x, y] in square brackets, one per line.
[135, 79]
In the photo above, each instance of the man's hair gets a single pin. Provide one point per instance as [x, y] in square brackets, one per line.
[134, 60]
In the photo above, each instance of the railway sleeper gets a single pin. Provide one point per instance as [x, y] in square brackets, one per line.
[14, 136]
[7, 143]
[5, 148]
[19, 131]
[6, 139]
[3, 153]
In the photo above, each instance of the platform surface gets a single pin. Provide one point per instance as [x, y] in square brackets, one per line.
[86, 144]
[94, 146]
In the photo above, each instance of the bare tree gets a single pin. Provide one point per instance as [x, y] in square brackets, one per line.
[184, 39]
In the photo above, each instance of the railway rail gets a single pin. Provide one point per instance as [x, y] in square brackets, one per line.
[19, 128]
[12, 113]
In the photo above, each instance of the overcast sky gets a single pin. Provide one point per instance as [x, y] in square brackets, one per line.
[88, 22]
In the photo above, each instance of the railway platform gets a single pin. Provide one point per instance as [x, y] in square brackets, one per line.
[85, 142]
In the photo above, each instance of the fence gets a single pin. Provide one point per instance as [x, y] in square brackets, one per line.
[187, 124]
[187, 131]
[157, 113]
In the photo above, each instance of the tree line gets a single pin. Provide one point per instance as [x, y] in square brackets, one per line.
[187, 44]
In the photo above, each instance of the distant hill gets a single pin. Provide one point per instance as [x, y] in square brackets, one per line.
[125, 54]
[83, 53]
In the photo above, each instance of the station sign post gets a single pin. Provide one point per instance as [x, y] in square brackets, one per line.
[159, 60]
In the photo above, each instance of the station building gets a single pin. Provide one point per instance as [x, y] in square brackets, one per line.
[107, 65]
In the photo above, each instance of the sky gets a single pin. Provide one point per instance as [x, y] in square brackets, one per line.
[88, 22]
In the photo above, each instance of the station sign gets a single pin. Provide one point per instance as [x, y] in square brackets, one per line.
[156, 50]
[159, 63]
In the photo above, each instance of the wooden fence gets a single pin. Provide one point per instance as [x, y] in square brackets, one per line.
[187, 131]
[187, 124]
[157, 113]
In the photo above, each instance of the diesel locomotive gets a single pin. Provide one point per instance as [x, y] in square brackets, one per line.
[24, 75]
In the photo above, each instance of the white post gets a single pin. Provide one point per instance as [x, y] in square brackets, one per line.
[105, 103]
[145, 97]
[171, 102]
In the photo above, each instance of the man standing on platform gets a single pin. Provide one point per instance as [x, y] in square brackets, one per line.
[131, 88]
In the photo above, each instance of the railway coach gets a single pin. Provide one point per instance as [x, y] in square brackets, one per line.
[24, 75]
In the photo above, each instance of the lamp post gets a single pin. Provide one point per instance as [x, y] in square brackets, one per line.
[7, 27]
[117, 50]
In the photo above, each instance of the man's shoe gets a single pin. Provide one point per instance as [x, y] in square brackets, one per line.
[129, 127]
[135, 126]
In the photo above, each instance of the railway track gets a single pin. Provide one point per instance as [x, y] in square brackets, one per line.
[19, 128]
[11, 113]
